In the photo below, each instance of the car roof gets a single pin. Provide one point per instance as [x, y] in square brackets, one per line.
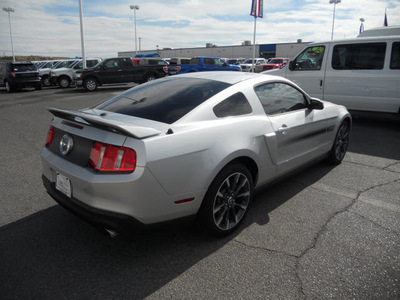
[230, 77]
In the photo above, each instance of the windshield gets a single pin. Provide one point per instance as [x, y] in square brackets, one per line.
[248, 61]
[276, 61]
[164, 100]
[50, 64]
[66, 64]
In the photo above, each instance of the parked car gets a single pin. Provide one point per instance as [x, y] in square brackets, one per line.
[120, 70]
[235, 61]
[274, 63]
[179, 60]
[189, 146]
[201, 64]
[64, 77]
[16, 75]
[361, 73]
[247, 65]
[45, 70]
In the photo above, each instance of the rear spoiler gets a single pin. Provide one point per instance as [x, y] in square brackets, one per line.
[97, 121]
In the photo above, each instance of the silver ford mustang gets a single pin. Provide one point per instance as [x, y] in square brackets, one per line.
[187, 146]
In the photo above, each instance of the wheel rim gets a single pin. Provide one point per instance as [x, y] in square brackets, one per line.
[231, 201]
[342, 141]
[151, 78]
[46, 81]
[64, 83]
[91, 84]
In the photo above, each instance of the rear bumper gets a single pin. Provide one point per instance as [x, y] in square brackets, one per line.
[25, 82]
[105, 219]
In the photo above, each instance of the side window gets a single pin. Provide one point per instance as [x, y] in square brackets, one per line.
[235, 105]
[194, 61]
[209, 61]
[310, 59]
[124, 63]
[280, 97]
[112, 63]
[219, 62]
[395, 57]
[369, 56]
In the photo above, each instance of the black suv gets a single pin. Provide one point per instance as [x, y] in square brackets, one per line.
[16, 75]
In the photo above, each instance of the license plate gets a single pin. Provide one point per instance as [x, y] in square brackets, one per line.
[63, 184]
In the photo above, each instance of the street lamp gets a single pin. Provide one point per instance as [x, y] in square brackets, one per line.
[8, 10]
[334, 7]
[362, 20]
[135, 8]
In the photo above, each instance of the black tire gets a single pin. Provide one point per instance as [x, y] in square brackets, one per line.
[64, 82]
[150, 77]
[227, 200]
[340, 144]
[46, 80]
[9, 87]
[90, 84]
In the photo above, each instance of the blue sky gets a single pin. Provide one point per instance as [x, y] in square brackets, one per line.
[51, 27]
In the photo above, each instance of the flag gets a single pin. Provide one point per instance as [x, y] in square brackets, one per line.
[385, 23]
[257, 8]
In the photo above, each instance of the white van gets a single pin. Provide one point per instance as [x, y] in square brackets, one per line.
[361, 73]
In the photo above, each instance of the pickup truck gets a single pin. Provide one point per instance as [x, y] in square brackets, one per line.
[64, 77]
[198, 64]
[119, 70]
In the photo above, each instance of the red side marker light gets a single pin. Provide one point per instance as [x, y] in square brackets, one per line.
[50, 136]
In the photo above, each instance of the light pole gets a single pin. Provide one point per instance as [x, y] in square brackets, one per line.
[334, 7]
[135, 8]
[362, 20]
[82, 36]
[8, 10]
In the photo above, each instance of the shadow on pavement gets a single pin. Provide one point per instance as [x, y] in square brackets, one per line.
[52, 254]
[375, 134]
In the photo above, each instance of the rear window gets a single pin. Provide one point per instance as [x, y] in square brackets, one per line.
[24, 67]
[164, 100]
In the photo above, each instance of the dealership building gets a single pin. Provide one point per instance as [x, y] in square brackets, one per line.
[245, 50]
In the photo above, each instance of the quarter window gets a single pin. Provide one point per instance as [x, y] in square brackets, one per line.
[235, 105]
[395, 57]
[369, 56]
[280, 97]
[310, 59]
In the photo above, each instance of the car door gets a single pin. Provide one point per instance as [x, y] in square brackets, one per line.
[209, 64]
[307, 70]
[110, 71]
[300, 133]
[128, 71]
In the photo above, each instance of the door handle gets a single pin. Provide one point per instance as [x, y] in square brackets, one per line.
[283, 129]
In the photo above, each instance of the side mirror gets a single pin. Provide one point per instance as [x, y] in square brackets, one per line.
[105, 67]
[316, 104]
[292, 65]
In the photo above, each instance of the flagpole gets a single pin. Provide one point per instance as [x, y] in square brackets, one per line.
[254, 43]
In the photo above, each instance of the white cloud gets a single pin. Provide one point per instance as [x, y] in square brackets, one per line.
[51, 27]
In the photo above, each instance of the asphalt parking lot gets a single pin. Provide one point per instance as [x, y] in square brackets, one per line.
[325, 233]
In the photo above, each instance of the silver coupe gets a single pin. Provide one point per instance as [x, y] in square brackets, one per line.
[192, 146]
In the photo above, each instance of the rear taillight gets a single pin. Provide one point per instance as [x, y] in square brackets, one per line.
[12, 74]
[165, 68]
[50, 135]
[178, 68]
[109, 158]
